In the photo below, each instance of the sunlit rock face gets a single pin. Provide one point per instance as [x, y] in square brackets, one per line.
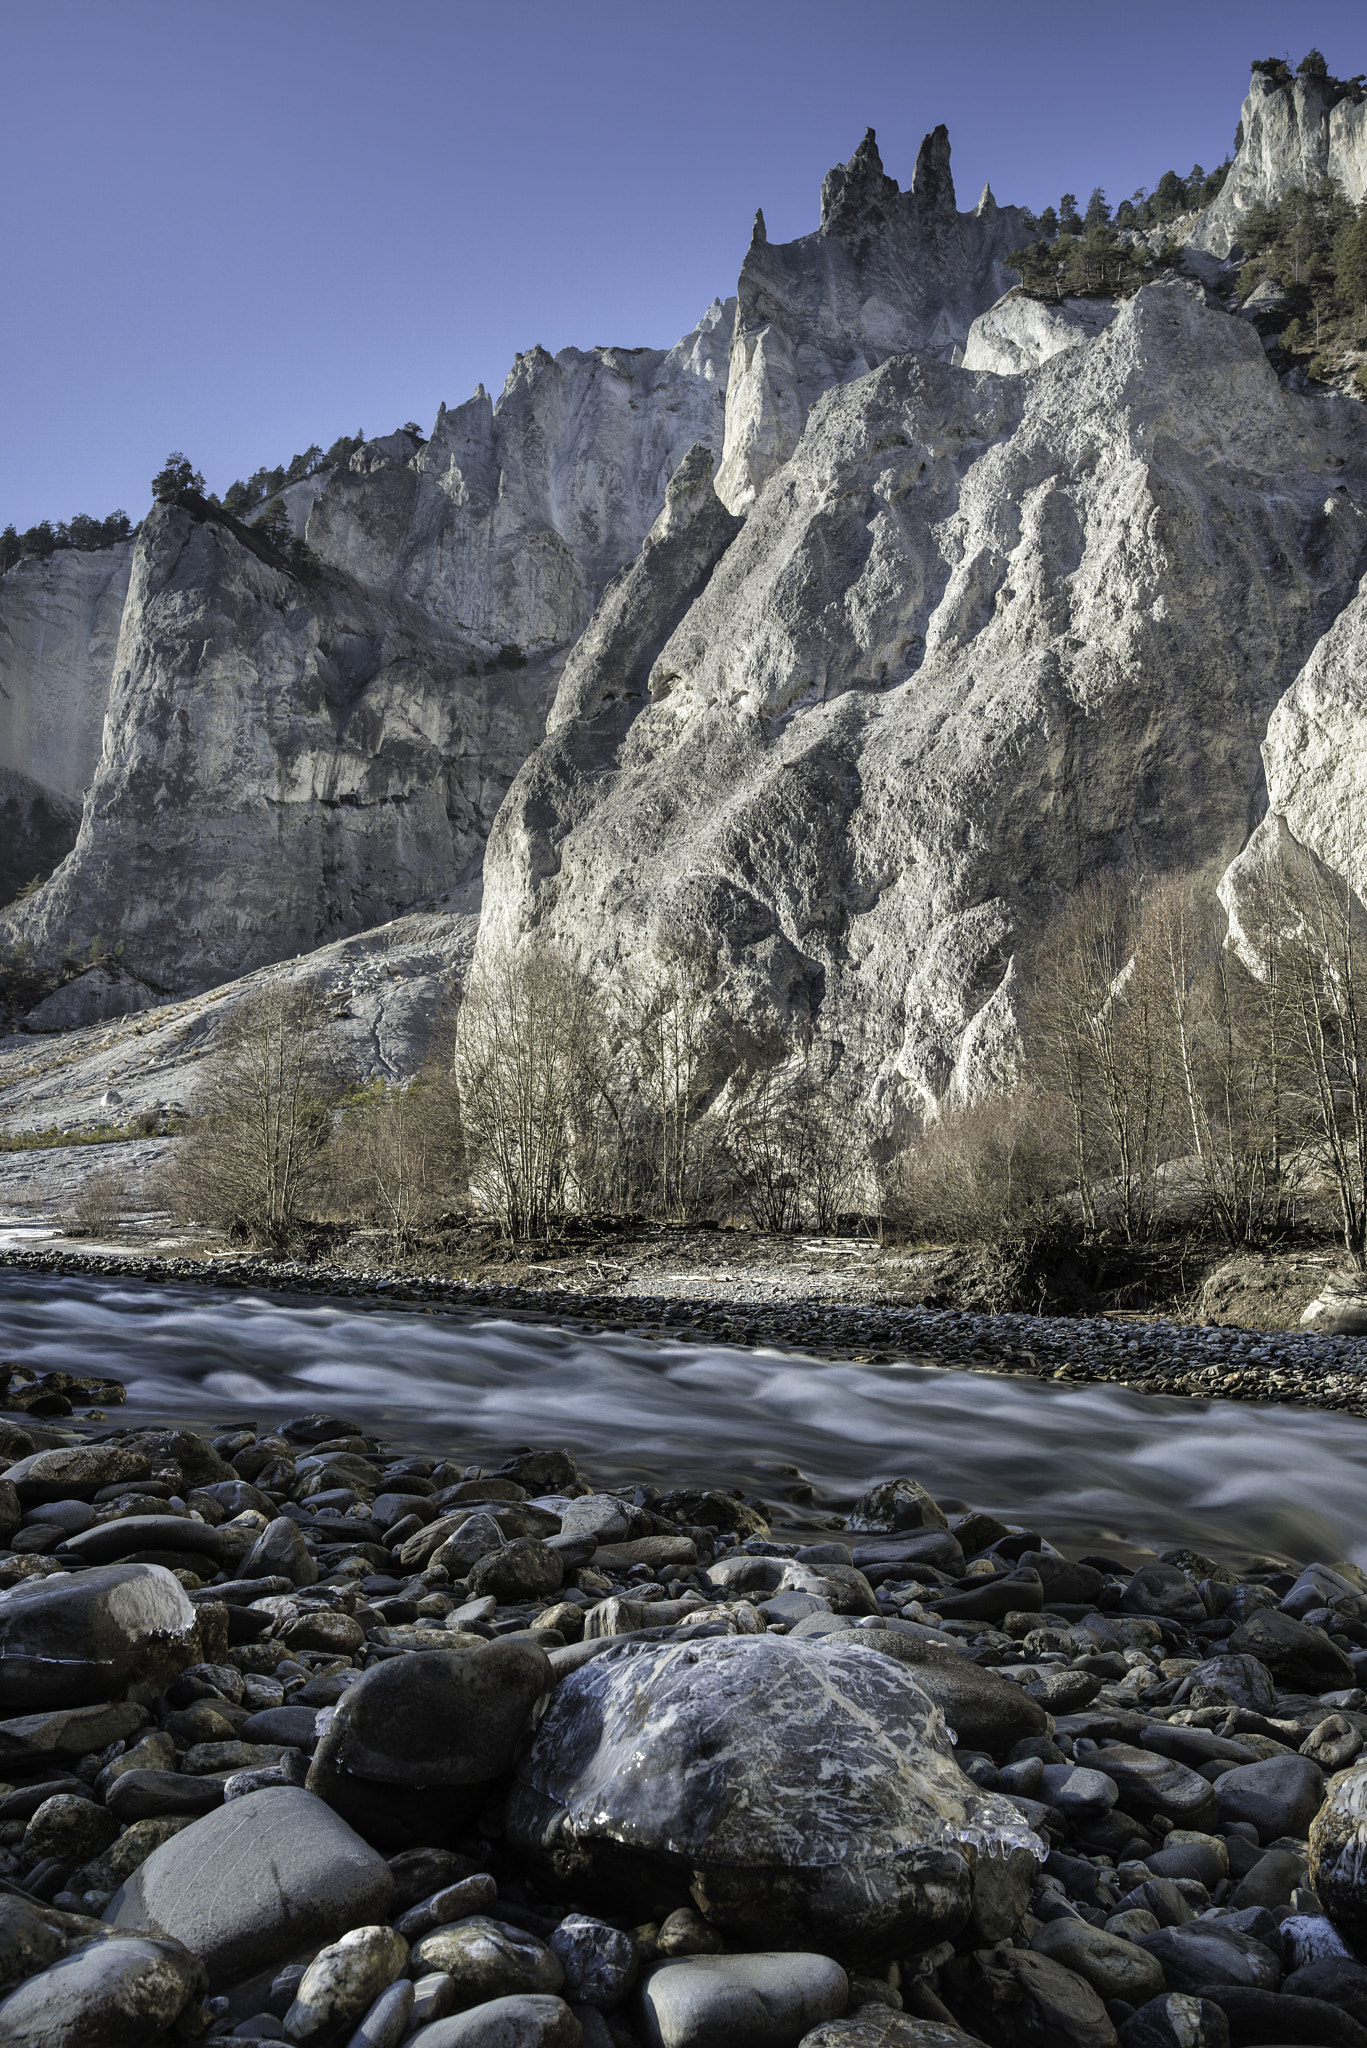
[981, 636]
[1293, 134]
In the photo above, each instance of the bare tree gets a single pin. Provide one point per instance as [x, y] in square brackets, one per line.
[265, 1110]
[676, 1053]
[401, 1150]
[98, 1206]
[525, 1059]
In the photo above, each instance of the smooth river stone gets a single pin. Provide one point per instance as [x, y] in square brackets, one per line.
[748, 1764]
[75, 1639]
[251, 1884]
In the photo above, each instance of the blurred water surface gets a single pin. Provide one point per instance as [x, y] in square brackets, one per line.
[1081, 1463]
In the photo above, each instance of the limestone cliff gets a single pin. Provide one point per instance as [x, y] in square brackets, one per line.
[507, 523]
[284, 762]
[885, 271]
[1295, 133]
[59, 625]
[981, 636]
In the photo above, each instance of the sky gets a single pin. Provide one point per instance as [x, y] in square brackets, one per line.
[236, 227]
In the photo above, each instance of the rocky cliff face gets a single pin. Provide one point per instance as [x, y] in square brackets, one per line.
[59, 626]
[289, 760]
[1296, 134]
[980, 636]
[506, 525]
[284, 762]
[886, 271]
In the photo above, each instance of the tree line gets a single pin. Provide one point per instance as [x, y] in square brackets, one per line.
[1176, 1074]
[82, 532]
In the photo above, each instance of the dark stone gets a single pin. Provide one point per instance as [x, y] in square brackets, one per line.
[1279, 1796]
[538, 1472]
[1176, 2020]
[110, 1994]
[1150, 1784]
[897, 1504]
[293, 1724]
[1205, 1955]
[1076, 1585]
[76, 1473]
[1017, 1999]
[140, 1795]
[253, 1883]
[524, 1570]
[1298, 1656]
[73, 1639]
[280, 1552]
[1336, 1980]
[1160, 1589]
[740, 1768]
[1256, 2016]
[107, 1542]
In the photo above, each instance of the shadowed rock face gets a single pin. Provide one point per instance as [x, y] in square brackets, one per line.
[1296, 134]
[981, 636]
[37, 829]
[59, 626]
[886, 271]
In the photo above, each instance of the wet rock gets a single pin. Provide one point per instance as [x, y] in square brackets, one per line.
[685, 1933]
[1076, 1585]
[1016, 1592]
[1177, 2020]
[112, 1994]
[413, 1741]
[76, 1638]
[1338, 1855]
[1114, 1968]
[434, 1998]
[747, 1765]
[876, 2026]
[1078, 1793]
[1332, 1743]
[604, 1517]
[473, 1537]
[527, 2022]
[294, 1725]
[340, 1635]
[897, 1504]
[1015, 1995]
[1163, 1590]
[1203, 1955]
[476, 1894]
[1001, 1894]
[343, 1981]
[27, 1943]
[280, 1552]
[249, 1885]
[107, 1542]
[1244, 1680]
[1334, 1980]
[1298, 1656]
[526, 1569]
[387, 2022]
[656, 1551]
[418, 1873]
[1149, 1783]
[706, 1508]
[485, 1958]
[985, 1711]
[69, 1830]
[601, 1964]
[1256, 2015]
[69, 1731]
[75, 1473]
[749, 2001]
[139, 1795]
[1278, 1797]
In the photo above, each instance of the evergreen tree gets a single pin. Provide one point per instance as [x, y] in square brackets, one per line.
[177, 474]
[1098, 213]
[1069, 219]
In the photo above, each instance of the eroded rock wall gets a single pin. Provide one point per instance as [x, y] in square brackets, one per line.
[1296, 134]
[886, 271]
[59, 626]
[982, 636]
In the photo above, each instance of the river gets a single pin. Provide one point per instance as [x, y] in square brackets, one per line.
[1087, 1465]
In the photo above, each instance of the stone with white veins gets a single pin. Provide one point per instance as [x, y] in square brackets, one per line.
[741, 1767]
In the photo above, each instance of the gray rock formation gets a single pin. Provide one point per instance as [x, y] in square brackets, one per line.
[981, 636]
[507, 523]
[59, 626]
[1294, 134]
[38, 829]
[284, 762]
[1020, 333]
[886, 271]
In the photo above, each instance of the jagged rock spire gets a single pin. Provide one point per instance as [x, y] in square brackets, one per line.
[853, 191]
[759, 233]
[932, 181]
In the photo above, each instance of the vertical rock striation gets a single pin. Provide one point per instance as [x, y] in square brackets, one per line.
[1296, 133]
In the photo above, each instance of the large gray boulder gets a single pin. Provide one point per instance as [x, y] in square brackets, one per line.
[249, 1885]
[1297, 132]
[743, 1767]
[73, 1639]
[1338, 1856]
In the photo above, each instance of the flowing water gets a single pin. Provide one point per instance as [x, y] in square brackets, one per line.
[1085, 1464]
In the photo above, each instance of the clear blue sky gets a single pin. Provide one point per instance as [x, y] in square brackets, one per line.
[239, 226]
